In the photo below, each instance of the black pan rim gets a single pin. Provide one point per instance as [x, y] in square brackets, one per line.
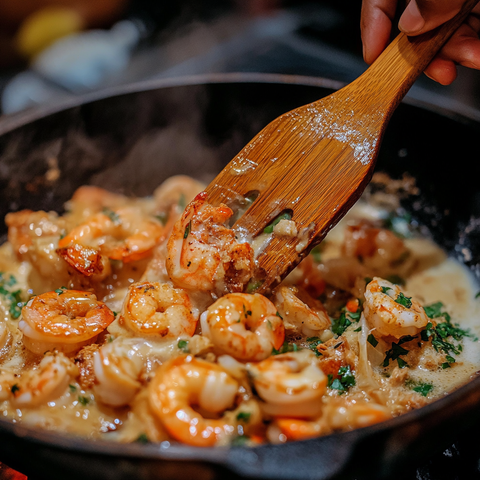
[10, 122]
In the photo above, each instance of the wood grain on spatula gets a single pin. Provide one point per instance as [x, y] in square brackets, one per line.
[316, 160]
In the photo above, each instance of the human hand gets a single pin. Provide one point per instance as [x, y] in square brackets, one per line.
[420, 16]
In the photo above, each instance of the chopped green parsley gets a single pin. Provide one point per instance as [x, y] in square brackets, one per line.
[84, 401]
[283, 216]
[344, 381]
[142, 438]
[423, 388]
[285, 348]
[11, 295]
[313, 343]
[187, 229]
[403, 300]
[183, 345]
[253, 285]
[397, 351]
[243, 416]
[346, 318]
[112, 215]
[440, 334]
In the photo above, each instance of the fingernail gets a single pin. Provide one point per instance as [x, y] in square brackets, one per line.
[411, 20]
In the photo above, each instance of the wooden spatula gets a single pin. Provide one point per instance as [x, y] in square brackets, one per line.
[316, 160]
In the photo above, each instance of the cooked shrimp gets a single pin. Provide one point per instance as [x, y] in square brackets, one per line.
[378, 249]
[285, 429]
[117, 367]
[119, 234]
[185, 382]
[89, 199]
[244, 326]
[63, 320]
[291, 384]
[44, 383]
[34, 237]
[153, 308]
[203, 253]
[121, 367]
[177, 191]
[348, 414]
[300, 312]
[336, 415]
[389, 312]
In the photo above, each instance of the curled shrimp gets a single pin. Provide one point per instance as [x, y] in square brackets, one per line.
[117, 367]
[48, 381]
[34, 237]
[285, 429]
[185, 382]
[244, 326]
[63, 320]
[349, 414]
[152, 308]
[291, 384]
[119, 234]
[390, 312]
[177, 191]
[300, 312]
[203, 253]
[121, 367]
[336, 415]
[379, 249]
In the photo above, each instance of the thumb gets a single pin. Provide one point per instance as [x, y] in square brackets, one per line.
[423, 15]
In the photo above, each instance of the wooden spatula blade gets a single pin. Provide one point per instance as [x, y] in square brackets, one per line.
[316, 160]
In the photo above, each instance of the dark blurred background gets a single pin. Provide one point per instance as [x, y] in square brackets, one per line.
[53, 49]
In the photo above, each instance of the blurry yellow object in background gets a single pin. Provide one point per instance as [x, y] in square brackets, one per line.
[43, 27]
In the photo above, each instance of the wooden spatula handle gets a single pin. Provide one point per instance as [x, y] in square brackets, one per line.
[401, 63]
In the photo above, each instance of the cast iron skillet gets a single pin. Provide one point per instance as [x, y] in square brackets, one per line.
[132, 138]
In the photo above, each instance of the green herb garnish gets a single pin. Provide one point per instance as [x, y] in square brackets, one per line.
[316, 254]
[112, 215]
[372, 340]
[313, 343]
[285, 348]
[84, 401]
[187, 229]
[423, 388]
[13, 297]
[403, 300]
[142, 438]
[344, 381]
[397, 351]
[183, 345]
[283, 216]
[253, 285]
[346, 318]
[243, 416]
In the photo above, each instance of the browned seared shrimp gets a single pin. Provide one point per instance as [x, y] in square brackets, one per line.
[63, 320]
[244, 326]
[153, 308]
[185, 382]
[203, 253]
[119, 234]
